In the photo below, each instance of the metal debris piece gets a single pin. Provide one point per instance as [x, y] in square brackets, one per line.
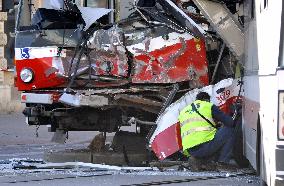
[84, 100]
[72, 165]
[184, 19]
[225, 24]
[165, 140]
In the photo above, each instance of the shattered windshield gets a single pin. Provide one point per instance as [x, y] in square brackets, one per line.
[32, 11]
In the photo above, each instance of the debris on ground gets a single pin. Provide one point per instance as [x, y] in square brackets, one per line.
[98, 143]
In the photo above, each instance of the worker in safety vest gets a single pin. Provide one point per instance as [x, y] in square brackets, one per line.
[201, 139]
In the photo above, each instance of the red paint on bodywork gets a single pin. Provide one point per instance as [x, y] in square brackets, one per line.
[167, 142]
[183, 61]
[172, 64]
[226, 107]
[41, 80]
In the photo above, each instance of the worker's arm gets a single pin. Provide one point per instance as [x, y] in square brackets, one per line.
[218, 115]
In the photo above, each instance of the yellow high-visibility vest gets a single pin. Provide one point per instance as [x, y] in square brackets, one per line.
[194, 129]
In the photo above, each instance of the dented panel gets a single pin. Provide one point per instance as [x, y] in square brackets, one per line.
[108, 52]
[170, 58]
[166, 139]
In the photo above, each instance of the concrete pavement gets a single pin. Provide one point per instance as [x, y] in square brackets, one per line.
[14, 131]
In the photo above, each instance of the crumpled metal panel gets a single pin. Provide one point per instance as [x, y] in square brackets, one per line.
[225, 24]
[170, 58]
[166, 139]
[108, 53]
[183, 18]
[84, 100]
[91, 15]
[129, 52]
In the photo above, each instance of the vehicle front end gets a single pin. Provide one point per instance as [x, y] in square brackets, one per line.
[77, 75]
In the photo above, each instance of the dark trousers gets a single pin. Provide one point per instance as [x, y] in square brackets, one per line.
[221, 146]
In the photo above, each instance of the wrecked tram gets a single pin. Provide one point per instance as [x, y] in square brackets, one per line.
[77, 73]
[94, 69]
[82, 68]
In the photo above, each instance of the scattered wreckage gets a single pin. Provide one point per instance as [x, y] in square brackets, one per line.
[79, 74]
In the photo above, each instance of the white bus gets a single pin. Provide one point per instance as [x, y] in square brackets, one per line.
[263, 109]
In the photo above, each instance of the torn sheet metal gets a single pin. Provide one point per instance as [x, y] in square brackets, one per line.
[170, 58]
[51, 64]
[225, 24]
[108, 52]
[91, 15]
[166, 138]
[184, 19]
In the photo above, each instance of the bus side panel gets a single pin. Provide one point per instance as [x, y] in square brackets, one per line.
[250, 117]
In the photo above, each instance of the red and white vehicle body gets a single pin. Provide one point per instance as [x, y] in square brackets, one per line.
[166, 140]
[77, 74]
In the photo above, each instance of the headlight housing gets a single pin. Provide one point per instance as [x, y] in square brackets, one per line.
[27, 75]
